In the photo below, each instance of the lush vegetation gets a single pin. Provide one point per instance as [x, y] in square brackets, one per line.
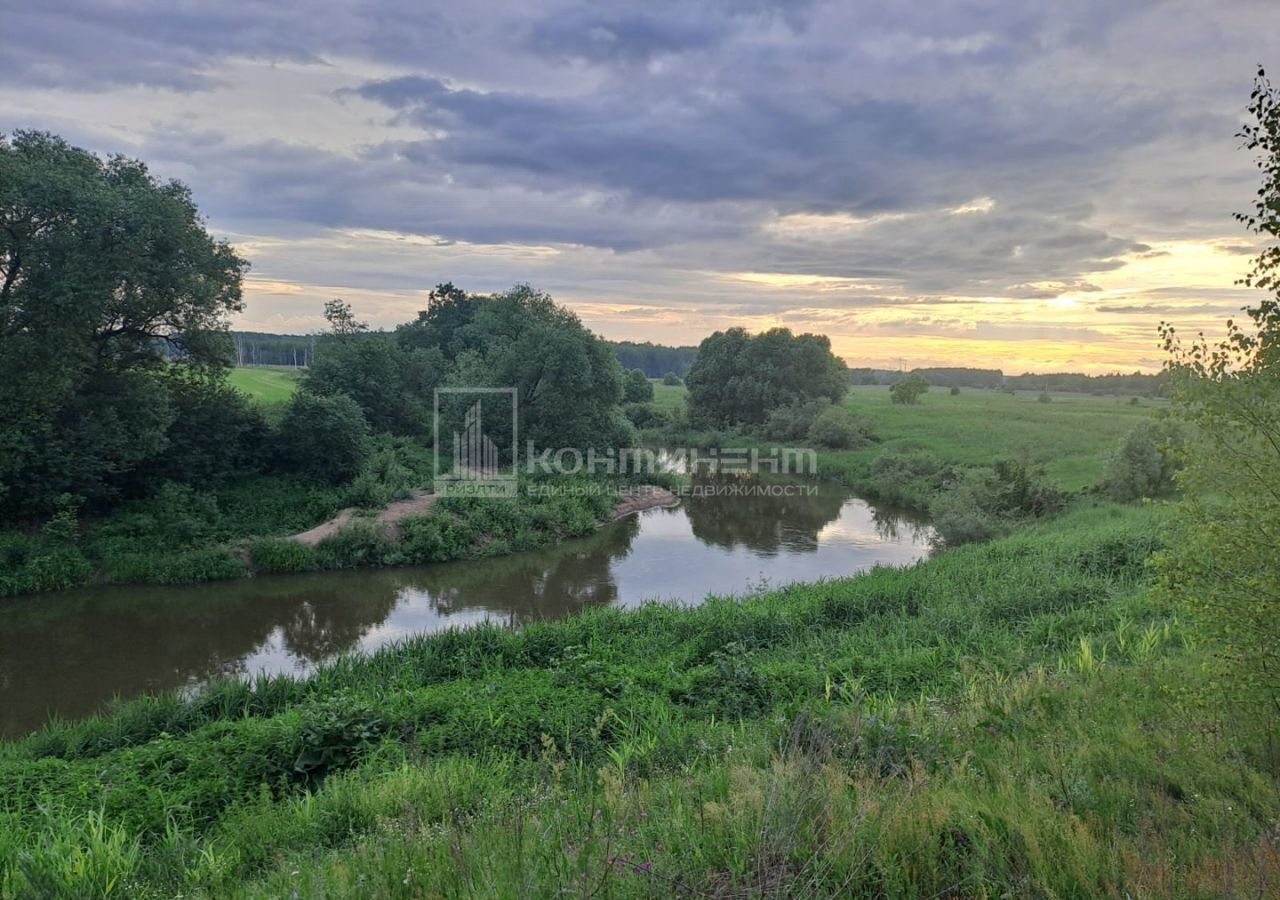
[113, 306]
[909, 390]
[1083, 701]
[1223, 563]
[1010, 718]
[982, 462]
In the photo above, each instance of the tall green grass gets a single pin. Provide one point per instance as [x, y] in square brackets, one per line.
[907, 732]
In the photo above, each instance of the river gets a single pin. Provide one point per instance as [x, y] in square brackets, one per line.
[69, 653]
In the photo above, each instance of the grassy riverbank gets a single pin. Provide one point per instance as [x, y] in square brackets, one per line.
[1016, 717]
[184, 536]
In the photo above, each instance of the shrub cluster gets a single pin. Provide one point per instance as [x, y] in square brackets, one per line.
[985, 503]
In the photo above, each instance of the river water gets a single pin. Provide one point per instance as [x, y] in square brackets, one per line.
[69, 653]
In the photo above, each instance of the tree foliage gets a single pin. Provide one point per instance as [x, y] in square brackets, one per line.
[109, 288]
[324, 438]
[909, 390]
[637, 388]
[1224, 563]
[392, 382]
[654, 359]
[1145, 462]
[986, 503]
[738, 378]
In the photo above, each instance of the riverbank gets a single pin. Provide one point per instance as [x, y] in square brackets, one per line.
[68, 654]
[183, 535]
[388, 521]
[1011, 718]
[209, 535]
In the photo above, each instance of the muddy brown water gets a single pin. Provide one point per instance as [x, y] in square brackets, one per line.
[70, 653]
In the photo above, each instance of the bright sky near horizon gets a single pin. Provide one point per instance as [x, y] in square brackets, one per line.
[987, 182]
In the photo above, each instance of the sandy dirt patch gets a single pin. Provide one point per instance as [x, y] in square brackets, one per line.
[634, 500]
[388, 520]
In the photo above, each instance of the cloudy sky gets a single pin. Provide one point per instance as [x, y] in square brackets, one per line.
[982, 182]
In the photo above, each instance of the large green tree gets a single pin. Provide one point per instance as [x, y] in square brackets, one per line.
[1224, 562]
[391, 379]
[568, 382]
[110, 287]
[738, 378]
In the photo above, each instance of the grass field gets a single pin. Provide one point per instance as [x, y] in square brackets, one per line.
[1070, 437]
[669, 397]
[268, 385]
[1011, 719]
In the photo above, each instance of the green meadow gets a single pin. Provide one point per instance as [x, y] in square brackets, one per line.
[1069, 437]
[267, 385]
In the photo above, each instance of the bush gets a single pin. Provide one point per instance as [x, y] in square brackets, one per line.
[646, 415]
[909, 390]
[837, 428]
[793, 421]
[1145, 462]
[907, 475]
[326, 438]
[384, 477]
[1044, 397]
[354, 545]
[987, 503]
[636, 387]
[959, 516]
[211, 564]
[434, 538]
[671, 379]
[281, 555]
[955, 391]
[46, 570]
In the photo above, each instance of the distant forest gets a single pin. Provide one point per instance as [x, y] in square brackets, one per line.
[1134, 384]
[253, 348]
[654, 360]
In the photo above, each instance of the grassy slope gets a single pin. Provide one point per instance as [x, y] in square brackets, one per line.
[1008, 719]
[268, 385]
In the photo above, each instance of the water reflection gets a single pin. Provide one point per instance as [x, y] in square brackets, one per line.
[71, 652]
[763, 522]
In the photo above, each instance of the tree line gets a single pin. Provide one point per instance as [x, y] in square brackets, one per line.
[1117, 384]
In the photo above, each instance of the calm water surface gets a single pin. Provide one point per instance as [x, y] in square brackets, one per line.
[71, 652]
